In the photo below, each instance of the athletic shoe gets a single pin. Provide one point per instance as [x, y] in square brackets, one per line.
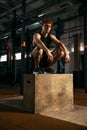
[49, 70]
[38, 71]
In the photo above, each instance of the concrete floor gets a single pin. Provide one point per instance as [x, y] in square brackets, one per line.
[77, 115]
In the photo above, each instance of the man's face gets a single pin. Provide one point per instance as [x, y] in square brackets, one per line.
[46, 27]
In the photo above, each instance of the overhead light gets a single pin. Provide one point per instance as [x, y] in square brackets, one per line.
[33, 26]
[4, 37]
[40, 15]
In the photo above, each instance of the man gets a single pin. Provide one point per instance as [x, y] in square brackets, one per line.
[43, 57]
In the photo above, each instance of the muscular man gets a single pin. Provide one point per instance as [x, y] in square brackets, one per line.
[43, 57]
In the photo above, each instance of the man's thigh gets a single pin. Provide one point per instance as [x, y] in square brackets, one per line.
[44, 62]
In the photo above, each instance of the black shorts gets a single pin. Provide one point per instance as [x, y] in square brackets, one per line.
[44, 62]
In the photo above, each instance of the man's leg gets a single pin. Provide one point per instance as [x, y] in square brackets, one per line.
[57, 55]
[37, 56]
[41, 59]
[46, 65]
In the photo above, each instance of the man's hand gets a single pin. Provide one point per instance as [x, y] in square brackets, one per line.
[67, 58]
[50, 57]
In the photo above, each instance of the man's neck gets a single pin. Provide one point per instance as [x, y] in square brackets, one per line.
[44, 34]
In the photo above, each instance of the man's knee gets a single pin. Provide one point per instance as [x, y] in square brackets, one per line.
[40, 53]
[37, 53]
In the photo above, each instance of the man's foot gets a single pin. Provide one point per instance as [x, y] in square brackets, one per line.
[38, 71]
[49, 70]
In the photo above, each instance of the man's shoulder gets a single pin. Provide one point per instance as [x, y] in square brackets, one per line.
[37, 34]
[52, 35]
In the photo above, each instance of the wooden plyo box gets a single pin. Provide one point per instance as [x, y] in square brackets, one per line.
[48, 92]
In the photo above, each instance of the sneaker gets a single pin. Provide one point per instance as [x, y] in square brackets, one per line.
[38, 71]
[49, 70]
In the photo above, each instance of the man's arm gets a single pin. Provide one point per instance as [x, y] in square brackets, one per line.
[37, 40]
[61, 44]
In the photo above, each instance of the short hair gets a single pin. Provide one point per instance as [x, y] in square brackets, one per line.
[47, 21]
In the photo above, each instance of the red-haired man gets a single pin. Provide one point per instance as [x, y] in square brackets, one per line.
[43, 57]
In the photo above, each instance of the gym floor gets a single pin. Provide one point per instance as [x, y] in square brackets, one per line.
[14, 116]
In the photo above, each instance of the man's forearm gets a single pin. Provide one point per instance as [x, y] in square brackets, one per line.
[42, 46]
[63, 47]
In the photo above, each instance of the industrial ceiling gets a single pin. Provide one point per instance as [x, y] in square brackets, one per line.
[34, 11]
